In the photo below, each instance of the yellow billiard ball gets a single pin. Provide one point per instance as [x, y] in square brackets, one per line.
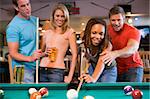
[88, 97]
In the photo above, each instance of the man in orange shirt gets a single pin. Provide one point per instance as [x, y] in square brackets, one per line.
[125, 40]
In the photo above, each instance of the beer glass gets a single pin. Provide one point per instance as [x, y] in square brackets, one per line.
[19, 73]
[52, 54]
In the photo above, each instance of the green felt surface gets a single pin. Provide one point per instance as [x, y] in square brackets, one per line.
[58, 91]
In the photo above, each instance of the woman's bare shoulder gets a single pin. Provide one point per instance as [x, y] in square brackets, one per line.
[46, 32]
[71, 30]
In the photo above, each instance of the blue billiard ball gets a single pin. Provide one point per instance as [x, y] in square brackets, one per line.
[128, 90]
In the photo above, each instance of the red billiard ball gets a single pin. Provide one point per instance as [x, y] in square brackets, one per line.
[44, 92]
[35, 95]
[128, 90]
[137, 94]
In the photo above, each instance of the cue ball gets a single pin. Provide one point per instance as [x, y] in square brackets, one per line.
[88, 97]
[128, 90]
[137, 94]
[32, 90]
[1, 94]
[72, 94]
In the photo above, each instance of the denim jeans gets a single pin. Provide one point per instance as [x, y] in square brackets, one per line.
[51, 75]
[108, 75]
[132, 75]
[29, 75]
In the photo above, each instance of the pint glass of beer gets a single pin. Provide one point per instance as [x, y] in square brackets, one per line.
[53, 54]
[19, 73]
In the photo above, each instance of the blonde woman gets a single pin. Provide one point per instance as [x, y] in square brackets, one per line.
[56, 41]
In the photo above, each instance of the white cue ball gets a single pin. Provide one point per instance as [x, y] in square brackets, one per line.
[72, 94]
[32, 90]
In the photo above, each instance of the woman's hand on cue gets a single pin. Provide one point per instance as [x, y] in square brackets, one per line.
[87, 78]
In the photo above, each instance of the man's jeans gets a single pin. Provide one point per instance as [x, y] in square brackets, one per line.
[132, 75]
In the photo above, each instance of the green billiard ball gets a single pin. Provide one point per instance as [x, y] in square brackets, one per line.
[1, 94]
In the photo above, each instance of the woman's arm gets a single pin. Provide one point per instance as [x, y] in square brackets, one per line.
[98, 69]
[43, 44]
[73, 46]
[96, 74]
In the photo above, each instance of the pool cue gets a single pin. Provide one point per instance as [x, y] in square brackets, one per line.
[37, 47]
[85, 70]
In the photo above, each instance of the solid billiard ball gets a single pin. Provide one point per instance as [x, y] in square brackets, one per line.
[1, 94]
[137, 94]
[88, 97]
[128, 90]
[32, 90]
[44, 92]
[36, 95]
[72, 94]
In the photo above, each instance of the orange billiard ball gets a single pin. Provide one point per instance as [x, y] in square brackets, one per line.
[35, 95]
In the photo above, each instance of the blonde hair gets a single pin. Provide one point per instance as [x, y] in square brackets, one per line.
[66, 15]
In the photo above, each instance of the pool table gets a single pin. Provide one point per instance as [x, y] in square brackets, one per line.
[58, 91]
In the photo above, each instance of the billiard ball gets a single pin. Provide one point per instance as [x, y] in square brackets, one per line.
[44, 92]
[1, 94]
[137, 94]
[36, 95]
[88, 97]
[32, 90]
[72, 94]
[128, 90]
